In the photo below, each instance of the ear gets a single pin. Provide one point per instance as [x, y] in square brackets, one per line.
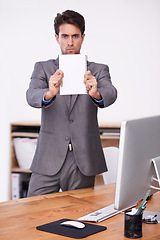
[57, 38]
[83, 37]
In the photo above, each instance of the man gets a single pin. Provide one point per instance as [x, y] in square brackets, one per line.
[69, 152]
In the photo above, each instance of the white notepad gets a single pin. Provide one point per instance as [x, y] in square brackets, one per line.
[74, 67]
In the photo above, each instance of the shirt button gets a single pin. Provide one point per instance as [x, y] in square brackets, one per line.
[67, 139]
[71, 121]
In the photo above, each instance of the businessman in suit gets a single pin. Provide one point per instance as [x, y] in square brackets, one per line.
[69, 153]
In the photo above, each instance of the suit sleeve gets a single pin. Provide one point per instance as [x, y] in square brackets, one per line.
[105, 87]
[37, 87]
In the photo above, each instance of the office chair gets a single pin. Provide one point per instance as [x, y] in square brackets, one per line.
[111, 156]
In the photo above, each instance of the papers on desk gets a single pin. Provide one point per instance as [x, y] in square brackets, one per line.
[74, 67]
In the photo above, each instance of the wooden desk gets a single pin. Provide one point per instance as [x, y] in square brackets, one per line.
[19, 218]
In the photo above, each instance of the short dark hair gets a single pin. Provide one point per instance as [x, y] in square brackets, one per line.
[70, 17]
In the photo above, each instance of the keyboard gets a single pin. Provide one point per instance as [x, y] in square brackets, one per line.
[100, 214]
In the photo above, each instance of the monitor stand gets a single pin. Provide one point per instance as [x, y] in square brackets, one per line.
[156, 165]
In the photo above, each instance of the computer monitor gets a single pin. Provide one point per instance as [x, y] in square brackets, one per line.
[139, 161]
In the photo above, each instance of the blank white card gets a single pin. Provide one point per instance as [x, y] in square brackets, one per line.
[74, 66]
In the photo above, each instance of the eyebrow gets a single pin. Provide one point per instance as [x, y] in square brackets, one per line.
[65, 34]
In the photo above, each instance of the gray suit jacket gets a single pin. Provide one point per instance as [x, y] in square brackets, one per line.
[60, 123]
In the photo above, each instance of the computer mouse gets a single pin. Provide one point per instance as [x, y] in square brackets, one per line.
[74, 224]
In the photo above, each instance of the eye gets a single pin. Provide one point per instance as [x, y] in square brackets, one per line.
[64, 36]
[75, 36]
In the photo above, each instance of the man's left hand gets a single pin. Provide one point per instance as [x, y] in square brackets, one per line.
[91, 85]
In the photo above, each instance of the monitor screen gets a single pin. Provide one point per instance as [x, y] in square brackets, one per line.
[139, 144]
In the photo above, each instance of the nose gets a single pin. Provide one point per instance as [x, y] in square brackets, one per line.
[70, 41]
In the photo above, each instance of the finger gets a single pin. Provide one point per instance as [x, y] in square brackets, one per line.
[88, 86]
[85, 78]
[59, 73]
[90, 82]
[88, 73]
[56, 83]
[61, 83]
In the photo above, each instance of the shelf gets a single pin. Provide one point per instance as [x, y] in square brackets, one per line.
[20, 170]
[26, 123]
[109, 137]
[24, 134]
[109, 125]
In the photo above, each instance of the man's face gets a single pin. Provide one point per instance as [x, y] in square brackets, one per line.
[70, 39]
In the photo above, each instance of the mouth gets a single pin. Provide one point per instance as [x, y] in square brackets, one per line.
[70, 49]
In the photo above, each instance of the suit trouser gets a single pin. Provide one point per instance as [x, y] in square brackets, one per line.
[68, 178]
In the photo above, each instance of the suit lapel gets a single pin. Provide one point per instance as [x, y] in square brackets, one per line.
[67, 99]
[91, 67]
[74, 98]
[57, 63]
[70, 101]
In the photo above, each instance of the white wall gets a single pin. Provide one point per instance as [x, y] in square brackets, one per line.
[121, 33]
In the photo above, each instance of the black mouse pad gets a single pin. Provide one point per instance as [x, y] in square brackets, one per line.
[56, 228]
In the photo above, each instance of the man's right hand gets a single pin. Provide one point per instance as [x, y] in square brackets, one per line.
[55, 81]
